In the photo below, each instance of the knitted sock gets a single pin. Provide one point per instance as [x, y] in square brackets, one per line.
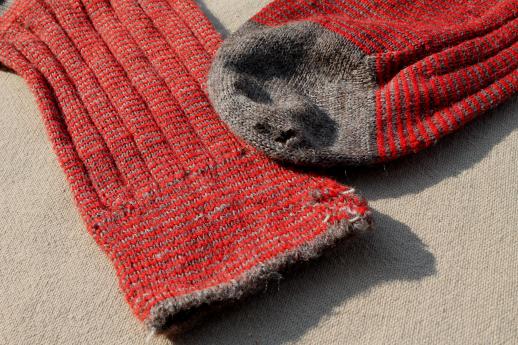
[189, 214]
[364, 81]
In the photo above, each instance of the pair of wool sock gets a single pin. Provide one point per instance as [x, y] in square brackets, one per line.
[323, 82]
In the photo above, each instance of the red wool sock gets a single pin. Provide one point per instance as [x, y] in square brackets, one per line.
[188, 213]
[364, 81]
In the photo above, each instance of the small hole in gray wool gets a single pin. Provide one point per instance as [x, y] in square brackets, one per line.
[284, 136]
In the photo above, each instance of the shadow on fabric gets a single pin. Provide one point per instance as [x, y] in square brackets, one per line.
[451, 156]
[295, 304]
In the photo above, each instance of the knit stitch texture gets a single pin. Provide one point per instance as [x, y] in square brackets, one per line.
[323, 82]
[190, 215]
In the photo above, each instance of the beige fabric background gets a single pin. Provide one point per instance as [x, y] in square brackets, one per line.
[442, 267]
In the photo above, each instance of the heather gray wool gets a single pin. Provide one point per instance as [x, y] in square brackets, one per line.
[299, 92]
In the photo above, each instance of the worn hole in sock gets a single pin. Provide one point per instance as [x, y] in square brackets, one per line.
[263, 128]
[284, 136]
[318, 128]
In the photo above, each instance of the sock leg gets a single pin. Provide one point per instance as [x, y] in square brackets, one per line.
[332, 82]
[191, 217]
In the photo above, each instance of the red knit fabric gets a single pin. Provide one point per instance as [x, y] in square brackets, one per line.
[187, 212]
[439, 63]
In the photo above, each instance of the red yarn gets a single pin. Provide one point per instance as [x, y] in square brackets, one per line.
[188, 213]
[439, 63]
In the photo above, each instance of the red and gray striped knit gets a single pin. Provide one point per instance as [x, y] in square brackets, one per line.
[189, 214]
[322, 82]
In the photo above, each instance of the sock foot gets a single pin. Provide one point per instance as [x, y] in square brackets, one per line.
[325, 82]
[299, 92]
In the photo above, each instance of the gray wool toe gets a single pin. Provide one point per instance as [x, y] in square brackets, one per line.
[298, 92]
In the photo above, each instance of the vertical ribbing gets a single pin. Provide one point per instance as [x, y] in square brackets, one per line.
[188, 213]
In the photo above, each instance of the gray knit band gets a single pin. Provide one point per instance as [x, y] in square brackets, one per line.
[299, 92]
